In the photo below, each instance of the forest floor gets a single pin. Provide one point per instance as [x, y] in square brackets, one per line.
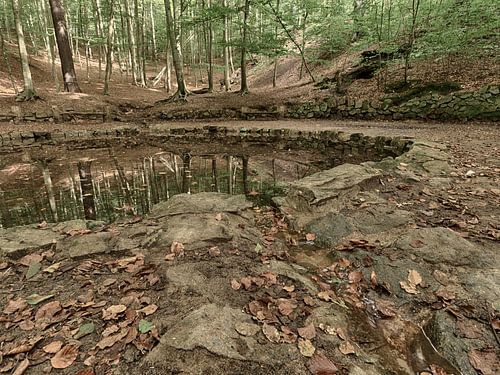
[185, 289]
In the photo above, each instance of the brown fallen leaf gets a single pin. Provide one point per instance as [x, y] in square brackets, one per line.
[286, 306]
[319, 364]
[355, 277]
[15, 305]
[271, 333]
[289, 288]
[112, 312]
[373, 279]
[309, 301]
[347, 348]
[111, 340]
[325, 295]
[53, 347]
[306, 348]
[385, 308]
[22, 367]
[485, 361]
[235, 284]
[308, 332]
[110, 330]
[445, 294]
[64, 357]
[170, 257]
[148, 310]
[218, 216]
[48, 311]
[310, 236]
[30, 259]
[408, 287]
[246, 282]
[214, 251]
[177, 248]
[288, 336]
[414, 277]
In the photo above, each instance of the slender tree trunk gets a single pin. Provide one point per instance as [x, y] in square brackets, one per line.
[109, 49]
[7, 63]
[275, 68]
[6, 20]
[225, 42]
[243, 64]
[84, 171]
[50, 191]
[29, 92]
[210, 53]
[65, 55]
[131, 43]
[175, 44]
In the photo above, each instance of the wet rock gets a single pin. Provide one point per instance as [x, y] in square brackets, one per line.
[85, 245]
[333, 183]
[380, 219]
[201, 203]
[204, 219]
[330, 229]
[213, 327]
[441, 245]
[19, 241]
[442, 333]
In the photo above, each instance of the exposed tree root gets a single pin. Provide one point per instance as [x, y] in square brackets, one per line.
[26, 96]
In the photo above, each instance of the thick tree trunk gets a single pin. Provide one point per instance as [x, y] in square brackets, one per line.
[175, 44]
[28, 92]
[67, 65]
[243, 65]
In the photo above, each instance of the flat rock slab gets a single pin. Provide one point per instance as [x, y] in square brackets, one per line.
[380, 219]
[201, 203]
[441, 245]
[205, 219]
[331, 183]
[85, 245]
[330, 229]
[19, 241]
[215, 328]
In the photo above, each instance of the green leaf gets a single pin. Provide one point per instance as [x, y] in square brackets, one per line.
[33, 269]
[145, 326]
[258, 248]
[35, 298]
[85, 329]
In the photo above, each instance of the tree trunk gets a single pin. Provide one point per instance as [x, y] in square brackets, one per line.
[85, 174]
[67, 66]
[243, 65]
[225, 42]
[275, 68]
[7, 63]
[109, 49]
[210, 53]
[29, 92]
[175, 44]
[131, 39]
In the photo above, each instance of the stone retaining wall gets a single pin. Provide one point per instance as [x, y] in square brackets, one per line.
[57, 115]
[219, 140]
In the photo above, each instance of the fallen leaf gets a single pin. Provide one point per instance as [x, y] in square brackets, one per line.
[271, 333]
[246, 282]
[325, 295]
[214, 251]
[309, 301]
[286, 306]
[26, 325]
[311, 236]
[306, 348]
[414, 277]
[145, 326]
[247, 329]
[386, 308]
[408, 288]
[29, 259]
[327, 329]
[235, 284]
[347, 348]
[35, 299]
[319, 364]
[148, 310]
[355, 277]
[288, 336]
[289, 288]
[170, 257]
[53, 347]
[84, 330]
[445, 294]
[33, 269]
[271, 278]
[177, 248]
[110, 330]
[52, 268]
[22, 367]
[484, 361]
[14, 305]
[47, 311]
[112, 312]
[258, 248]
[218, 216]
[64, 357]
[308, 332]
[111, 340]
[108, 282]
[470, 329]
[373, 279]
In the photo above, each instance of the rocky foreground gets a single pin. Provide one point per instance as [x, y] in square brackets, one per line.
[358, 271]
